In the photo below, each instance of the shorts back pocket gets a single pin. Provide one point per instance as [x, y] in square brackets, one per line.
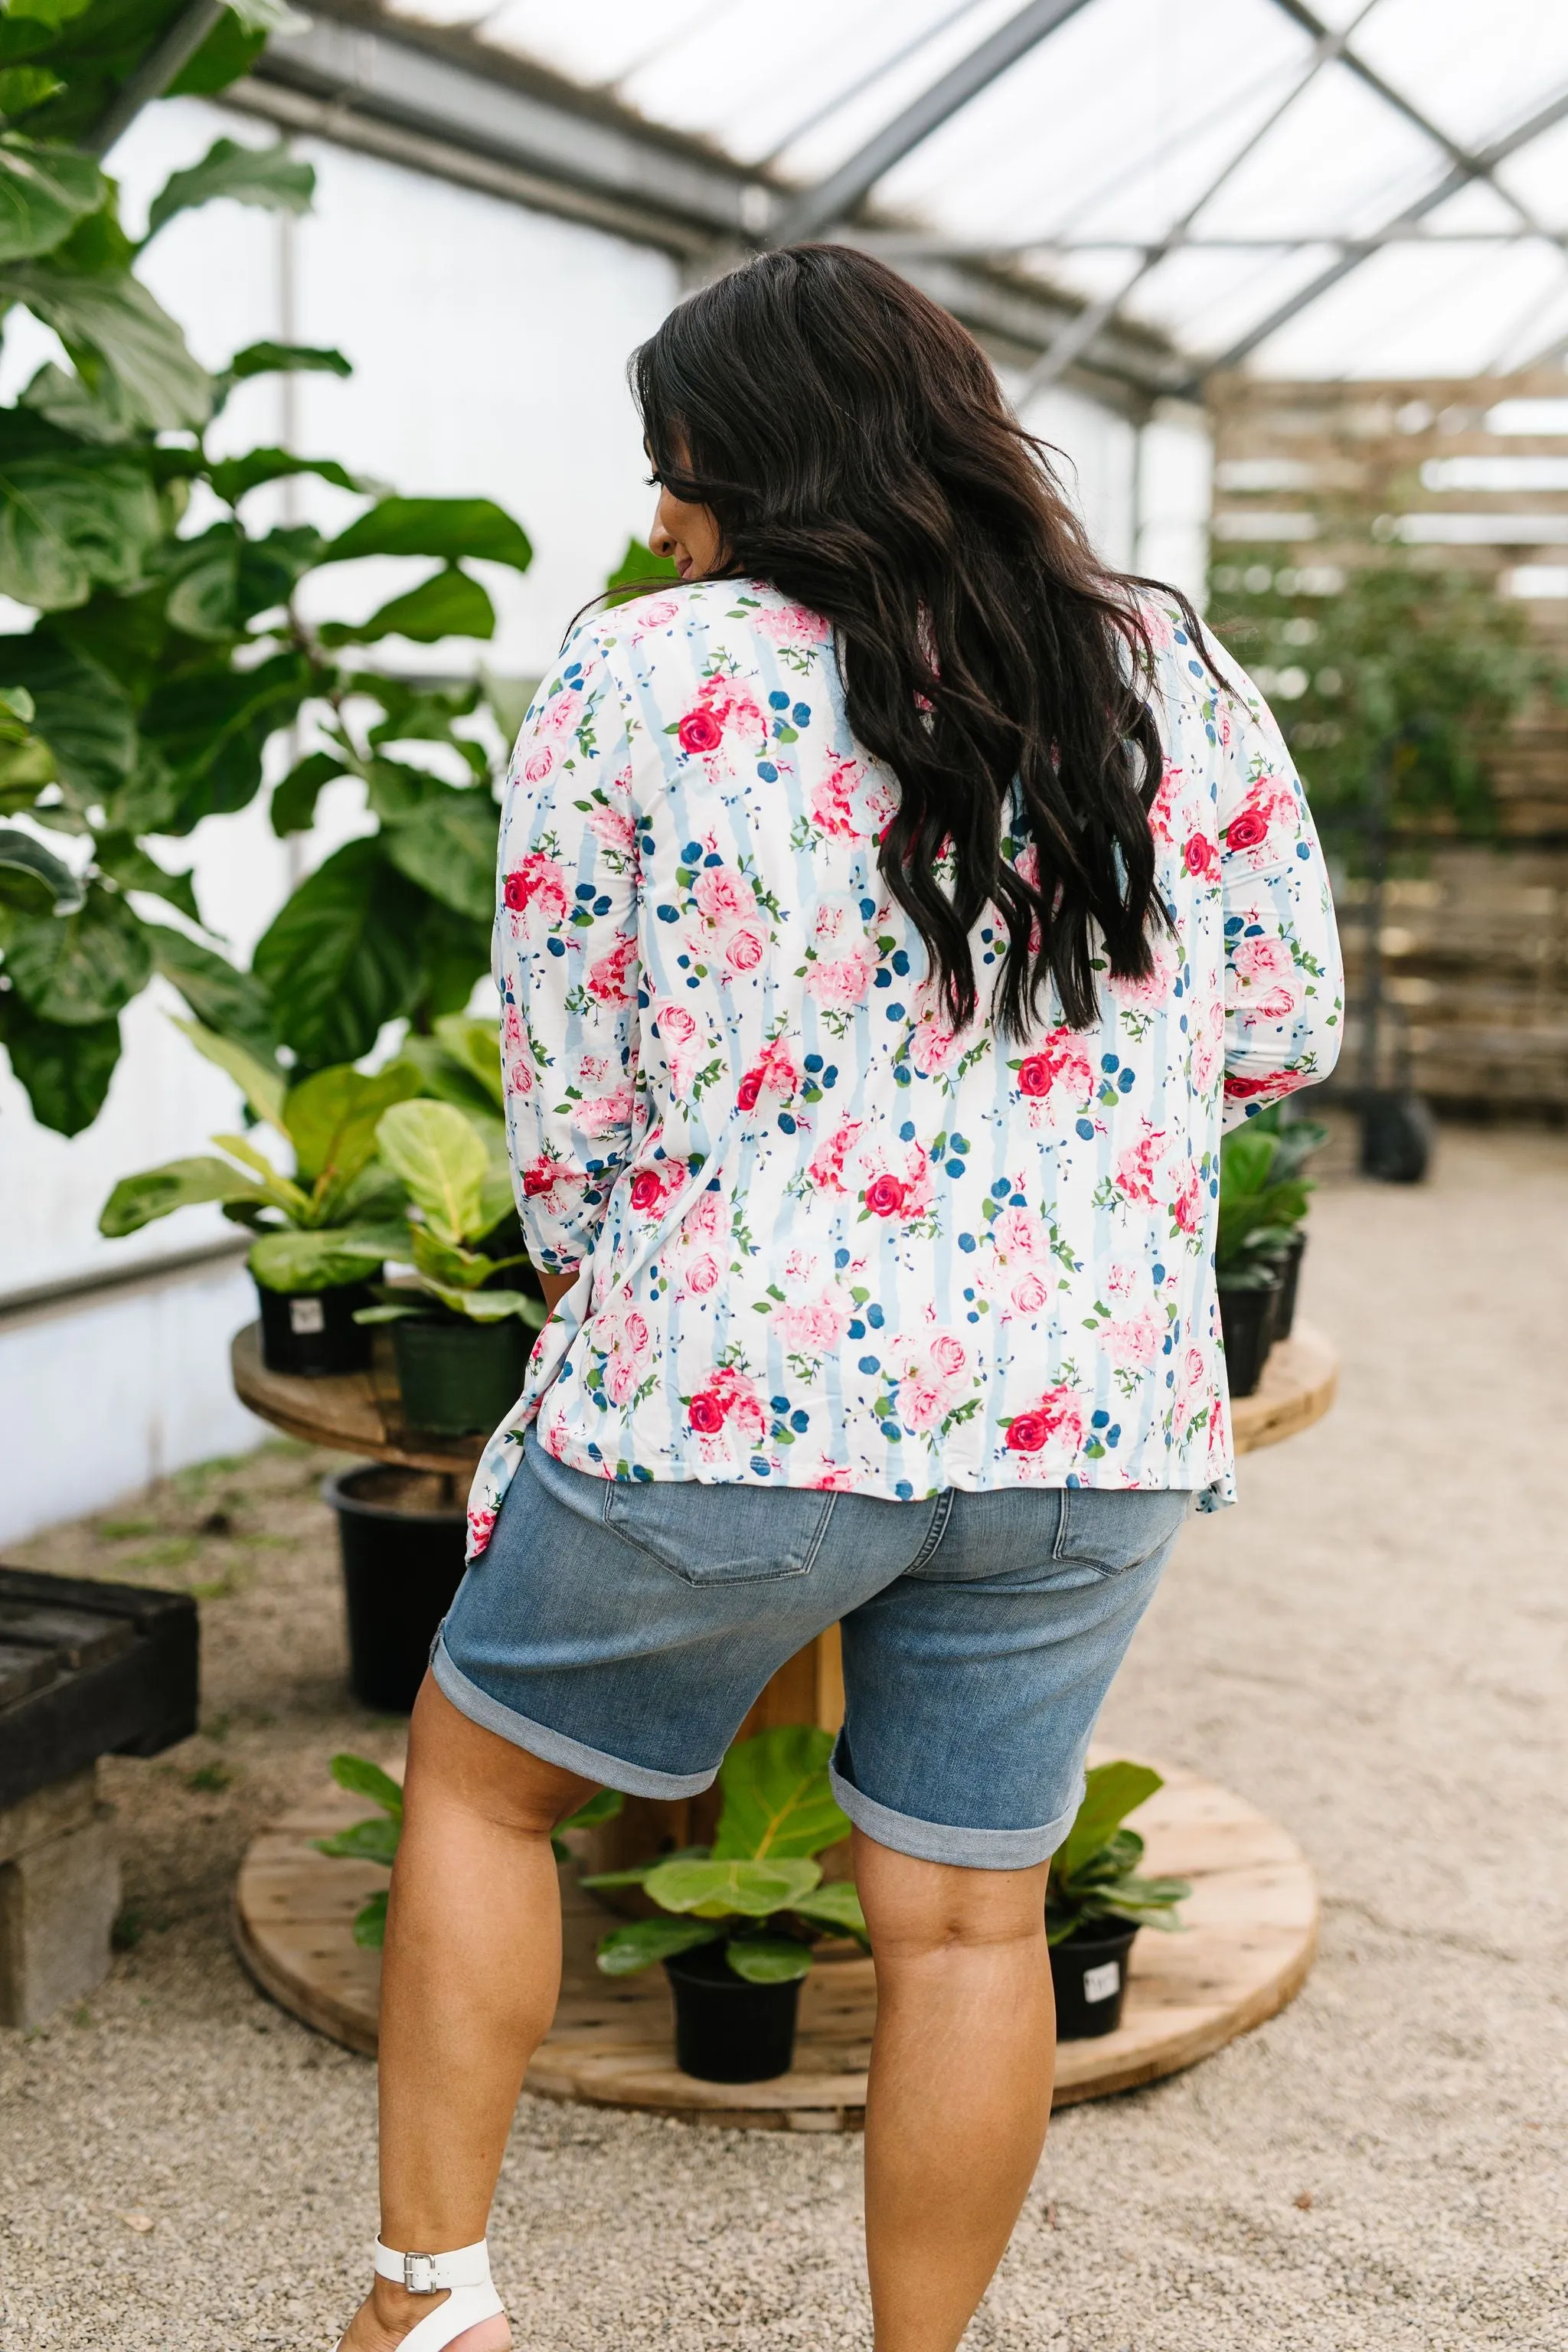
[720, 1534]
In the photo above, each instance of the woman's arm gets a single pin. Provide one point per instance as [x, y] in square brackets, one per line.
[566, 961]
[1284, 985]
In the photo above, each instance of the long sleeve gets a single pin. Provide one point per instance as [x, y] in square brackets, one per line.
[1283, 981]
[566, 955]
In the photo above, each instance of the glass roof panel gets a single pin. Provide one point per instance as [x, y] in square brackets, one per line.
[1131, 116]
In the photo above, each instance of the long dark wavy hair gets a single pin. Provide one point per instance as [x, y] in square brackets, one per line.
[853, 445]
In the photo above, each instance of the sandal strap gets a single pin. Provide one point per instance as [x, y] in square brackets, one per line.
[469, 2266]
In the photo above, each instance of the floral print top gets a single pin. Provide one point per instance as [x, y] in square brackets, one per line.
[824, 1240]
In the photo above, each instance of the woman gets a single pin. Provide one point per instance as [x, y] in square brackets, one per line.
[889, 913]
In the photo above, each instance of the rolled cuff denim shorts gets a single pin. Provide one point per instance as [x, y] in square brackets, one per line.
[622, 1629]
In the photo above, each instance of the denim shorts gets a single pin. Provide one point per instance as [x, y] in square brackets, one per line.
[623, 1630]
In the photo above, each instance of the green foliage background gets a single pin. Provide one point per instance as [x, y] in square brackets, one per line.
[163, 658]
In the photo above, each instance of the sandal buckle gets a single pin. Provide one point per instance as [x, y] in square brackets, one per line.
[419, 2274]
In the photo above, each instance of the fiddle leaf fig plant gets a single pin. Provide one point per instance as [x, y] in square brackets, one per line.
[460, 1193]
[335, 1219]
[375, 1839]
[759, 1888]
[1263, 1196]
[1094, 1873]
[164, 657]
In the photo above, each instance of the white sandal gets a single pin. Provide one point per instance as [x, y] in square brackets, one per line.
[463, 2322]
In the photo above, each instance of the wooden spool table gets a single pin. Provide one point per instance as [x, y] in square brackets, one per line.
[1251, 1922]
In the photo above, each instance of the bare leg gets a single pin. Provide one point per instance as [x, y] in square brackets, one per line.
[470, 1982]
[961, 2066]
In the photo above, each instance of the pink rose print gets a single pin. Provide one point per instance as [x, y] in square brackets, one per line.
[627, 1341]
[1020, 1234]
[1268, 986]
[1120, 1282]
[827, 1170]
[1135, 1172]
[1058, 1077]
[830, 800]
[539, 881]
[885, 1196]
[562, 712]
[480, 1523]
[1192, 1387]
[683, 1043]
[1134, 1341]
[776, 1073]
[519, 1076]
[840, 985]
[730, 1400]
[1200, 856]
[932, 1048]
[1030, 1295]
[1057, 1419]
[702, 1275]
[607, 978]
[1240, 1090]
[722, 897]
[700, 730]
[786, 625]
[931, 1369]
[813, 1327]
[538, 764]
[650, 612]
[1246, 831]
[1162, 812]
[706, 1413]
[907, 1196]
[1156, 986]
[652, 1188]
[602, 1114]
[1187, 1208]
[616, 828]
[744, 950]
[832, 1478]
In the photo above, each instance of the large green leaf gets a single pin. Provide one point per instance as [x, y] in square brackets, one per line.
[260, 1083]
[65, 1071]
[433, 1148]
[448, 605]
[276, 359]
[84, 714]
[719, 1889]
[450, 529]
[641, 1942]
[212, 725]
[137, 1201]
[777, 1799]
[33, 879]
[371, 1841]
[127, 863]
[81, 968]
[449, 847]
[232, 477]
[361, 1778]
[268, 176]
[768, 1959]
[73, 518]
[476, 1044]
[340, 957]
[325, 1259]
[43, 192]
[60, 398]
[111, 325]
[230, 1005]
[293, 808]
[834, 1906]
[1111, 1791]
[332, 1117]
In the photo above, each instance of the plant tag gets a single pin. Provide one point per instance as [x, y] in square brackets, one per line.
[1104, 1982]
[305, 1315]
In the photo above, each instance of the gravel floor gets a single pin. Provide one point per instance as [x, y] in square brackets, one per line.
[1372, 1648]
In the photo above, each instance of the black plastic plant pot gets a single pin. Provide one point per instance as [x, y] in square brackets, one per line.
[1290, 1278]
[457, 1376]
[401, 1538]
[1397, 1134]
[312, 1333]
[727, 2031]
[1246, 1320]
[1089, 1970]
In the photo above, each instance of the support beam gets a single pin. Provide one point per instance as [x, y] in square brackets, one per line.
[1052, 364]
[153, 74]
[1452, 180]
[836, 196]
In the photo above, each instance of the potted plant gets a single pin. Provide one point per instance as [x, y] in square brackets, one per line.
[741, 1915]
[375, 1839]
[460, 1334]
[1096, 1901]
[1295, 1142]
[323, 1232]
[1259, 1214]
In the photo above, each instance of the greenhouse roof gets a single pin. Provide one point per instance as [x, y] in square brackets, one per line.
[1355, 187]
